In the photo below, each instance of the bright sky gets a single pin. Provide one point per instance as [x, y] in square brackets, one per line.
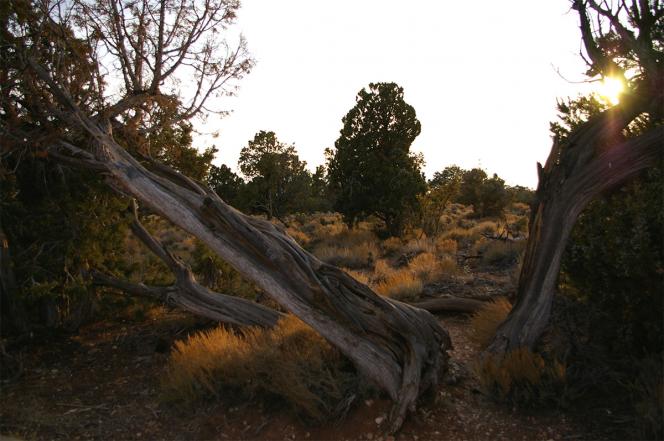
[481, 76]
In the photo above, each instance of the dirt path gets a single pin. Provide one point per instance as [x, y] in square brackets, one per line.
[104, 384]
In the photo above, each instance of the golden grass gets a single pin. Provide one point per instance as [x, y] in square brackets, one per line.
[484, 322]
[360, 276]
[447, 267]
[445, 246]
[521, 376]
[358, 256]
[400, 285]
[391, 245]
[382, 270]
[300, 236]
[498, 252]
[418, 246]
[290, 361]
[425, 267]
[486, 227]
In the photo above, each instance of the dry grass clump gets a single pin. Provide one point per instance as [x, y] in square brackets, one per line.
[290, 361]
[447, 267]
[428, 268]
[391, 245]
[358, 275]
[486, 227]
[500, 253]
[382, 270]
[300, 236]
[521, 377]
[358, 256]
[418, 246]
[520, 208]
[445, 246]
[400, 285]
[462, 236]
[484, 322]
[424, 266]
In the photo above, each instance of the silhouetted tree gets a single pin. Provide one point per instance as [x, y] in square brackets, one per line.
[227, 184]
[372, 171]
[279, 182]
[622, 40]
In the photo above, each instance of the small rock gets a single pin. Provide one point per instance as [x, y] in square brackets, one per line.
[369, 403]
[369, 435]
[379, 420]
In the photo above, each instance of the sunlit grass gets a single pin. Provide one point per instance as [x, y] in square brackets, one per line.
[290, 361]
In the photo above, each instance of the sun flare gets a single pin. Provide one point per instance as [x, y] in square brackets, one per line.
[611, 89]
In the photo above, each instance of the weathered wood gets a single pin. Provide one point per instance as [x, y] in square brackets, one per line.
[186, 292]
[450, 304]
[571, 178]
[399, 347]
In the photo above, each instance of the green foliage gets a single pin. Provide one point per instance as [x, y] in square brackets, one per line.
[171, 145]
[59, 223]
[227, 184]
[443, 188]
[488, 196]
[615, 261]
[279, 182]
[371, 170]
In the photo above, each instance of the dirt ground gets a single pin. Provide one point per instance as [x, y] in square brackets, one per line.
[104, 383]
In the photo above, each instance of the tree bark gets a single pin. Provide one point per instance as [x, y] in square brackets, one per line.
[399, 347]
[187, 293]
[592, 162]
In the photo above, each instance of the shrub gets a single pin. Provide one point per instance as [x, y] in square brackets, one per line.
[484, 322]
[418, 246]
[445, 246]
[428, 268]
[400, 285]
[290, 361]
[448, 267]
[522, 377]
[391, 245]
[359, 256]
[424, 266]
[382, 270]
[502, 253]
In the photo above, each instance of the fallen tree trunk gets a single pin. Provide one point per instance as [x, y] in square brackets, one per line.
[187, 293]
[399, 347]
[450, 304]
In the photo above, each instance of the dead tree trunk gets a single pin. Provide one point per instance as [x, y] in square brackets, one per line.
[591, 162]
[187, 293]
[398, 347]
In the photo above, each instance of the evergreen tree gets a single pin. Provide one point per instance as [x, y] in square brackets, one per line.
[371, 170]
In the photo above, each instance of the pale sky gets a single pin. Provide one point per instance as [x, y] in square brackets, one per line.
[481, 76]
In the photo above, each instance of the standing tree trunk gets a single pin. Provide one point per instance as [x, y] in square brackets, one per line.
[574, 174]
[595, 157]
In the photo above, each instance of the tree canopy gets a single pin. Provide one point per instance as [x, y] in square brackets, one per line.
[371, 169]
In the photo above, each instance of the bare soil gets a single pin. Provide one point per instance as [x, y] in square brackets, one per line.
[104, 383]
